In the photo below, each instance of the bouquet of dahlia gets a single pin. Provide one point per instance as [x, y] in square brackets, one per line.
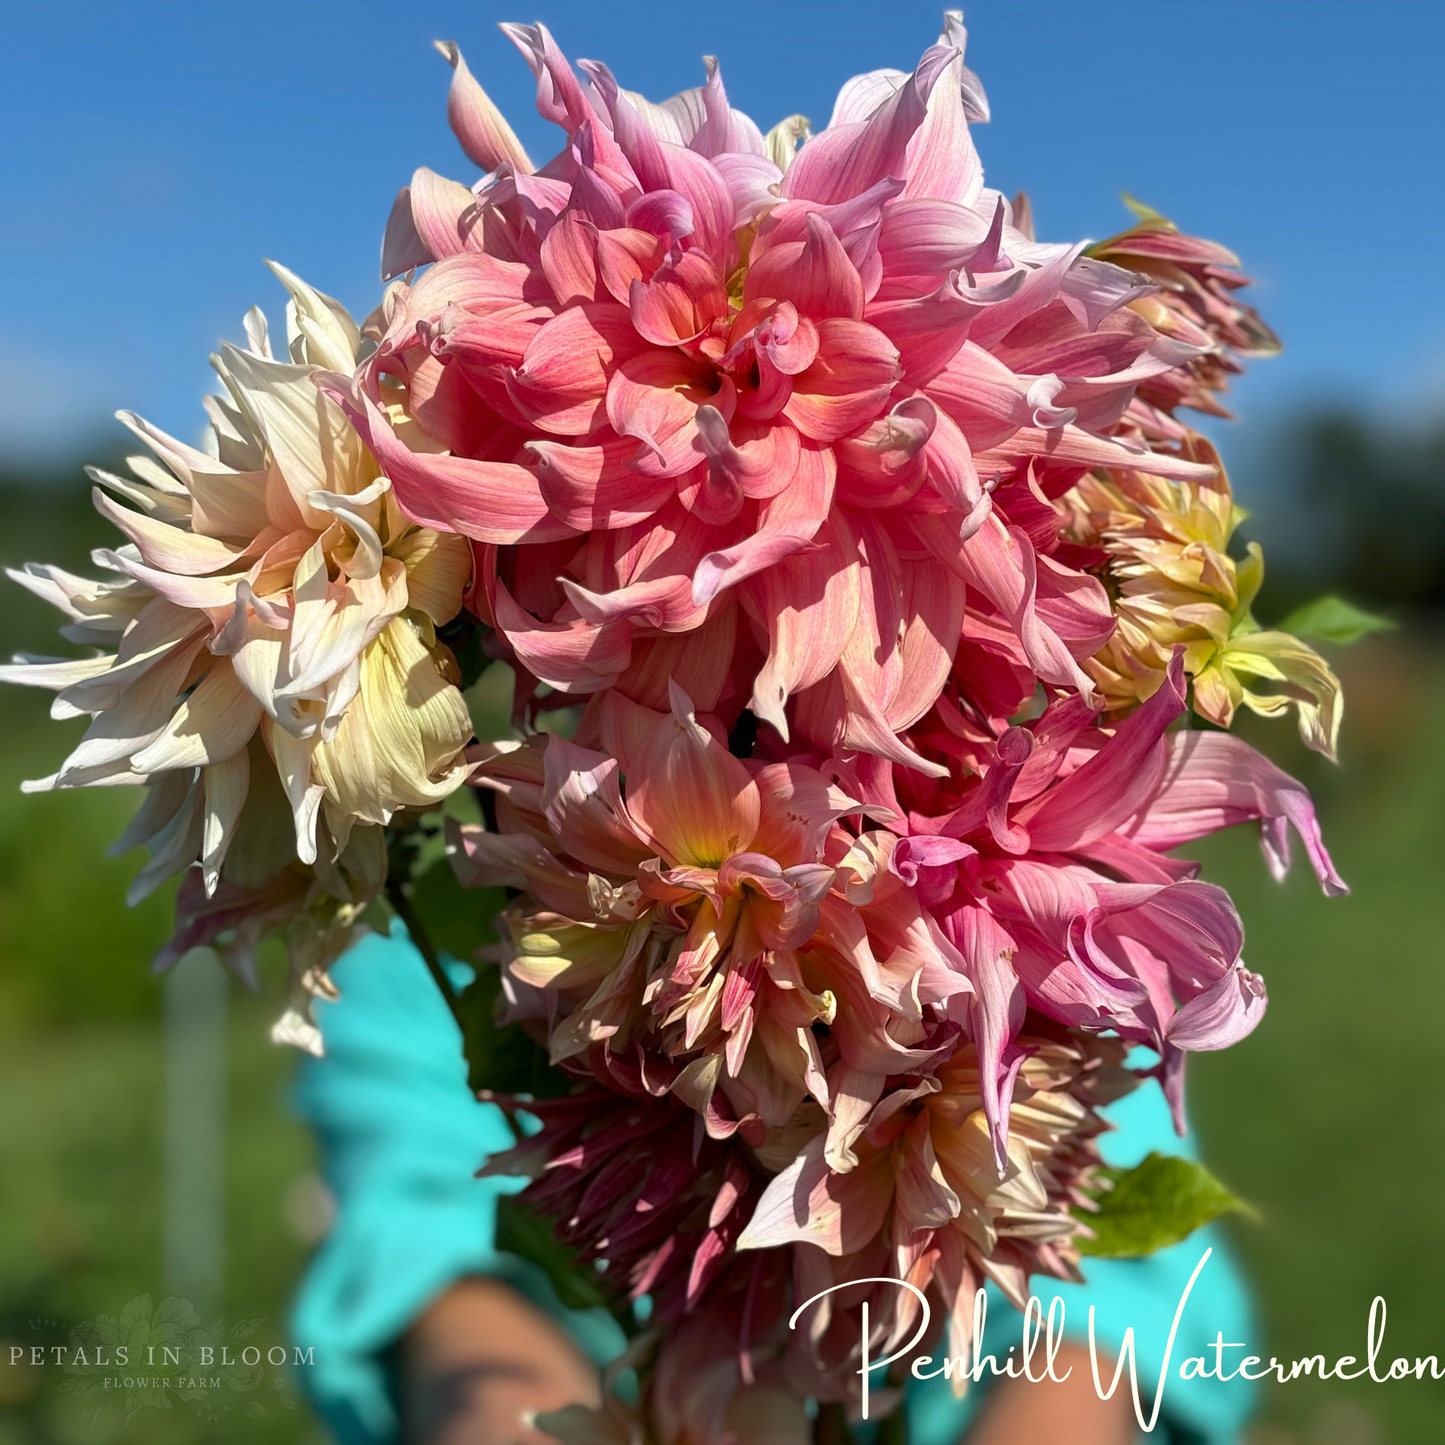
[879, 597]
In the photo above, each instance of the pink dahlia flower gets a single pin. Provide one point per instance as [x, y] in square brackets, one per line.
[1044, 859]
[1195, 301]
[683, 384]
[926, 1205]
[711, 917]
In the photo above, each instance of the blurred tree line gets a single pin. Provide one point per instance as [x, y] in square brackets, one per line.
[1355, 507]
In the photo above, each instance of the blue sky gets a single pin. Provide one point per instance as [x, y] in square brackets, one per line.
[157, 151]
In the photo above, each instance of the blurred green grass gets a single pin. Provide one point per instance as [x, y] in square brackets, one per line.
[81, 1218]
[81, 1090]
[1330, 1119]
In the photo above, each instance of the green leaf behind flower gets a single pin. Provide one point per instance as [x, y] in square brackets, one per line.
[458, 920]
[505, 1060]
[460, 924]
[1157, 1203]
[1332, 619]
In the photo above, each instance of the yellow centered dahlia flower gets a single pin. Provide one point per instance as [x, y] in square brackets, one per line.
[1166, 544]
[270, 585]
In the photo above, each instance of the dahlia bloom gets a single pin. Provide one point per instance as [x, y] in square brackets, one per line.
[696, 397]
[1195, 301]
[1166, 545]
[927, 1205]
[710, 916]
[1043, 860]
[928, 1189]
[273, 614]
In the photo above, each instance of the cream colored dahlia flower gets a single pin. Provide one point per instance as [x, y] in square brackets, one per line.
[271, 607]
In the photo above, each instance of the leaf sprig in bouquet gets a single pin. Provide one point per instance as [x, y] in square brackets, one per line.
[867, 540]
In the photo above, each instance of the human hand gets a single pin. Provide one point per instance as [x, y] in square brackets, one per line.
[479, 1357]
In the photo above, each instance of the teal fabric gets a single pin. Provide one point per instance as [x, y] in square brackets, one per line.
[401, 1138]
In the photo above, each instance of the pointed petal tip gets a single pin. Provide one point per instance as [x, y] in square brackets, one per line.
[681, 704]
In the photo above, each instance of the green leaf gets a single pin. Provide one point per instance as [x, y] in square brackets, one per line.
[1332, 619]
[523, 1232]
[1155, 1204]
[457, 920]
[579, 1425]
[506, 1060]
[461, 922]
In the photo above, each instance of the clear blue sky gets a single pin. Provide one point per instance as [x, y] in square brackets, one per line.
[155, 152]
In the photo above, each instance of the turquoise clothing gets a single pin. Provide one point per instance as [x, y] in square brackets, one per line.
[401, 1138]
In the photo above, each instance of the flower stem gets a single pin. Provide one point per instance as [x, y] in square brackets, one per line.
[831, 1426]
[401, 904]
[894, 1428]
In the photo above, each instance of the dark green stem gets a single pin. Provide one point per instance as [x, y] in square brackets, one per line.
[831, 1426]
[396, 896]
[894, 1429]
